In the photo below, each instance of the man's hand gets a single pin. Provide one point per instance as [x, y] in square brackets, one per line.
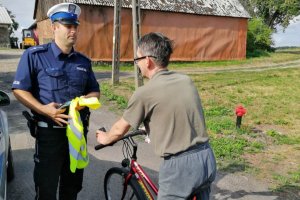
[118, 130]
[51, 110]
[102, 137]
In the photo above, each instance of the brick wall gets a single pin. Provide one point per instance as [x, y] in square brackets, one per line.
[44, 31]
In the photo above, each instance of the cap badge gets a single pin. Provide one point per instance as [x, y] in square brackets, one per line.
[72, 8]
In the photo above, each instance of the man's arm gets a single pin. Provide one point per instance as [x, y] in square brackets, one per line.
[118, 130]
[50, 110]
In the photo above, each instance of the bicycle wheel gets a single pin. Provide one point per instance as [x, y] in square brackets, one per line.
[114, 184]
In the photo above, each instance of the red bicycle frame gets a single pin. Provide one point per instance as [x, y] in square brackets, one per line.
[136, 170]
[143, 179]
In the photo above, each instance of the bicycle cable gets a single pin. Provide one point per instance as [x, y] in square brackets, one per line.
[127, 151]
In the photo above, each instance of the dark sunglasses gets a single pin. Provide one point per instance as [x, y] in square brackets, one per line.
[135, 60]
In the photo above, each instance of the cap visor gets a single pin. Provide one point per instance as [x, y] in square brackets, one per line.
[68, 22]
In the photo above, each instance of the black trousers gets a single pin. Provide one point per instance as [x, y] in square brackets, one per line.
[52, 166]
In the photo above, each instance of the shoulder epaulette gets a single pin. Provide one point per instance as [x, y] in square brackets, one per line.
[35, 49]
[84, 56]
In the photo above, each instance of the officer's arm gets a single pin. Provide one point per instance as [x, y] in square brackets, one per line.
[49, 110]
[93, 94]
[28, 100]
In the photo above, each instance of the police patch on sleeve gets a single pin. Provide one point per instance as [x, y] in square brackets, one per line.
[16, 83]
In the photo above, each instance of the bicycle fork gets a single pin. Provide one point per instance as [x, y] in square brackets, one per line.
[127, 178]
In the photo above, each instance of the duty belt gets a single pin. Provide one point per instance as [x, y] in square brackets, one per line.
[46, 125]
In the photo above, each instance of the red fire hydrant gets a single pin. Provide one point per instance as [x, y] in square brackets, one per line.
[239, 111]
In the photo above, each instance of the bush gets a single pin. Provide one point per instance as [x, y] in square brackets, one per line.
[259, 38]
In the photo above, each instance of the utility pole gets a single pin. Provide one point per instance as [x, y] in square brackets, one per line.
[136, 30]
[116, 42]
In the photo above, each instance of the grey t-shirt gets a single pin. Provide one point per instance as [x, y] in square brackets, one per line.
[170, 106]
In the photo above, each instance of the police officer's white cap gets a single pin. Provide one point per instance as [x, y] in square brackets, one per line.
[64, 13]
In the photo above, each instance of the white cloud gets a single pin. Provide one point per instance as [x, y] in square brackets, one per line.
[23, 11]
[291, 35]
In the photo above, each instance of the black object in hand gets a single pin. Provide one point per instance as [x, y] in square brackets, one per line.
[102, 129]
[65, 105]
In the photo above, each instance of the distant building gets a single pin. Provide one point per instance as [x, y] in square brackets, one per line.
[33, 27]
[5, 23]
[201, 29]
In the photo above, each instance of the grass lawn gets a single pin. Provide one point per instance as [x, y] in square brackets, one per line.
[268, 143]
[281, 55]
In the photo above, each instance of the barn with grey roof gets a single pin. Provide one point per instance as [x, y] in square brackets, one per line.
[5, 23]
[201, 29]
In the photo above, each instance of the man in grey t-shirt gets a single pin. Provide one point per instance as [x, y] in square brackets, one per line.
[170, 108]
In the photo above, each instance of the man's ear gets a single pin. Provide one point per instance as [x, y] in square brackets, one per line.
[150, 63]
[54, 26]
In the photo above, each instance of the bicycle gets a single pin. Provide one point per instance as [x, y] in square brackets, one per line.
[134, 180]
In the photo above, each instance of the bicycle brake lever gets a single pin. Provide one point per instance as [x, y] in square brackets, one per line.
[102, 129]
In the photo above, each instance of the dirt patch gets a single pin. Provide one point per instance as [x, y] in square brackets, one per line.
[275, 160]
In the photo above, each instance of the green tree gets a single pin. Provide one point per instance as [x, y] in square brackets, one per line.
[273, 12]
[13, 27]
[259, 38]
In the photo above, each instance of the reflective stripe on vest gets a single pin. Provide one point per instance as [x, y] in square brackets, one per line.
[77, 144]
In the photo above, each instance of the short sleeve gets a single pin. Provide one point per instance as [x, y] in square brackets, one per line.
[92, 85]
[135, 111]
[23, 74]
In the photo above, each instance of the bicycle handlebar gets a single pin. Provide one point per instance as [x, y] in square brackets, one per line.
[128, 135]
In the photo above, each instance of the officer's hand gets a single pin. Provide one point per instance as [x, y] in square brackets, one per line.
[78, 107]
[51, 110]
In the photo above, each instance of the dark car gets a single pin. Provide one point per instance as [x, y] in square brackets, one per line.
[6, 161]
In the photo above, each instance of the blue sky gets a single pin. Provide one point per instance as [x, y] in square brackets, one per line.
[291, 36]
[23, 10]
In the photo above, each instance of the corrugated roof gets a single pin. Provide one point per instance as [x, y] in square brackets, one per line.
[4, 16]
[229, 8]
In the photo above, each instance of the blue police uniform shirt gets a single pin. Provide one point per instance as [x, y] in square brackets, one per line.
[52, 76]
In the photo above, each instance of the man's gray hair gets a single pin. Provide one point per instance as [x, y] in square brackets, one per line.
[158, 46]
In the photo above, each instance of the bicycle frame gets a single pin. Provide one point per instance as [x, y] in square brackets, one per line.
[147, 185]
[143, 179]
[141, 176]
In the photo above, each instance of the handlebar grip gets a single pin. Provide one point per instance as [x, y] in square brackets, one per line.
[102, 129]
[131, 134]
[99, 146]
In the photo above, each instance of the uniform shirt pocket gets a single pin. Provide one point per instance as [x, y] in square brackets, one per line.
[78, 81]
[55, 78]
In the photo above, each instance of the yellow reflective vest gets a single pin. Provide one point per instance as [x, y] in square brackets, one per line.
[77, 144]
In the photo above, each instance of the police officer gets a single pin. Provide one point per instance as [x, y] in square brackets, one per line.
[47, 76]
